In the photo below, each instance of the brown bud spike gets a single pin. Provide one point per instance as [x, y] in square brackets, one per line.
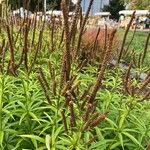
[86, 91]
[43, 78]
[87, 97]
[127, 76]
[98, 120]
[54, 87]
[74, 86]
[44, 89]
[125, 36]
[145, 97]
[72, 115]
[68, 99]
[91, 140]
[66, 88]
[87, 113]
[64, 121]
[145, 83]
[103, 68]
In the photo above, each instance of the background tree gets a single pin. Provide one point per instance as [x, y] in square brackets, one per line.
[137, 4]
[114, 7]
[32, 4]
[56, 4]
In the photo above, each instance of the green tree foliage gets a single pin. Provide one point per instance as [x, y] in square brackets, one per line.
[114, 7]
[54, 3]
[138, 4]
[20, 3]
[38, 4]
[35, 4]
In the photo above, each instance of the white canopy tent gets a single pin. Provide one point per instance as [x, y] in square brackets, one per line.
[55, 12]
[59, 13]
[137, 12]
[102, 14]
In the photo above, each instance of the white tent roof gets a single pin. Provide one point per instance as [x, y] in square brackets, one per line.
[55, 12]
[58, 13]
[138, 12]
[102, 14]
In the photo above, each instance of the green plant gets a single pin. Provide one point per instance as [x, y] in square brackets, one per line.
[93, 105]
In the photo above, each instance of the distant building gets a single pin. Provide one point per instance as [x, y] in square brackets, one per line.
[97, 6]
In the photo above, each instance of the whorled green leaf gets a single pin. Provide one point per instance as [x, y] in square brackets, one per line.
[100, 145]
[133, 139]
[35, 137]
[1, 138]
[48, 142]
[34, 117]
[121, 140]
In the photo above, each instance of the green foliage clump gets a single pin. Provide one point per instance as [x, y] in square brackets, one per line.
[51, 98]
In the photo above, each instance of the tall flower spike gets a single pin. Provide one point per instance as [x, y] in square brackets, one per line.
[64, 120]
[125, 36]
[127, 76]
[75, 19]
[54, 86]
[12, 58]
[145, 83]
[82, 27]
[72, 115]
[145, 48]
[97, 120]
[44, 79]
[86, 91]
[44, 89]
[102, 69]
[66, 65]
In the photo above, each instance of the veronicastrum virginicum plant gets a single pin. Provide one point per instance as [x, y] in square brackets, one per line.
[51, 101]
